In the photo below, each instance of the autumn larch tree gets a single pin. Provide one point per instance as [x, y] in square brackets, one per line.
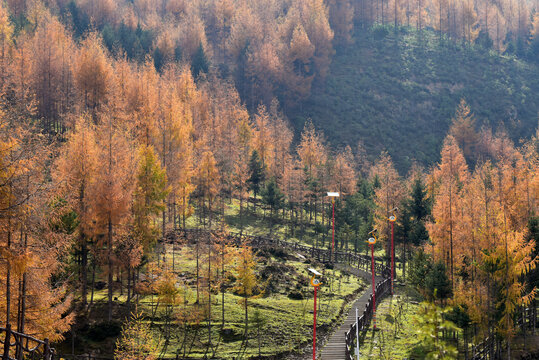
[112, 190]
[387, 196]
[149, 196]
[246, 280]
[462, 129]
[313, 154]
[77, 170]
[207, 180]
[451, 174]
[93, 74]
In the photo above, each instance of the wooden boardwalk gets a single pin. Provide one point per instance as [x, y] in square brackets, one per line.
[334, 349]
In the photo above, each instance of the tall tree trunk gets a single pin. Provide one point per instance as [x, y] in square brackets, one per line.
[129, 294]
[451, 227]
[93, 283]
[22, 310]
[84, 252]
[209, 290]
[8, 261]
[84, 271]
[184, 210]
[109, 266]
[246, 320]
[198, 278]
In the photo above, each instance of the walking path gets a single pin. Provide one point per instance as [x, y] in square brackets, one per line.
[334, 349]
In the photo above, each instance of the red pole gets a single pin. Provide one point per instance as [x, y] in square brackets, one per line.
[314, 325]
[333, 221]
[373, 288]
[392, 254]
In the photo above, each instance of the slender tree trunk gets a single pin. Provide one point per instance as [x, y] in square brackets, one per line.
[223, 283]
[129, 292]
[246, 320]
[184, 209]
[84, 268]
[93, 284]
[84, 251]
[209, 289]
[198, 278]
[241, 215]
[8, 261]
[404, 259]
[451, 228]
[24, 278]
[174, 215]
[110, 266]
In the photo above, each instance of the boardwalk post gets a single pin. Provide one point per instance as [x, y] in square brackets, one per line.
[315, 282]
[357, 335]
[46, 350]
[6, 342]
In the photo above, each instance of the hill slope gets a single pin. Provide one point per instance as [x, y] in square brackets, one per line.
[399, 92]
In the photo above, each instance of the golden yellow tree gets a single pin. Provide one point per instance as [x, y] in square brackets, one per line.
[207, 181]
[451, 175]
[93, 74]
[112, 190]
[76, 171]
[387, 196]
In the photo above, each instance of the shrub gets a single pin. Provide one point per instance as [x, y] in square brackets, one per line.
[101, 331]
[296, 295]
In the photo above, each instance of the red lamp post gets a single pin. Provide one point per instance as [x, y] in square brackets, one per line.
[392, 219]
[315, 283]
[371, 242]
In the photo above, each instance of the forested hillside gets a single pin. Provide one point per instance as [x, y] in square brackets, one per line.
[398, 92]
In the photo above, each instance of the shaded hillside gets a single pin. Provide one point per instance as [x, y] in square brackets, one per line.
[399, 93]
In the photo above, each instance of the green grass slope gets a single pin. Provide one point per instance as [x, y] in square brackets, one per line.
[398, 92]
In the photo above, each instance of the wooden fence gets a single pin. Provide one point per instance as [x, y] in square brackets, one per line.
[491, 347]
[362, 323]
[19, 346]
[260, 242]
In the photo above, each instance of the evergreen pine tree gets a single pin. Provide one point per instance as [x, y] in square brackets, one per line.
[272, 196]
[437, 284]
[200, 62]
[256, 170]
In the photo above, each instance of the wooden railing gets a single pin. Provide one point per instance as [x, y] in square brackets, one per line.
[362, 322]
[323, 255]
[19, 346]
[491, 347]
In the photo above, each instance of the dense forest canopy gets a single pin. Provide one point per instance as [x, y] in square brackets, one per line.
[397, 91]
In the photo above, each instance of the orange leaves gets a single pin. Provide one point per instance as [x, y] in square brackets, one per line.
[262, 141]
[208, 175]
[311, 149]
[114, 178]
[245, 266]
[479, 224]
[6, 31]
[462, 129]
[388, 195]
[344, 171]
[93, 72]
